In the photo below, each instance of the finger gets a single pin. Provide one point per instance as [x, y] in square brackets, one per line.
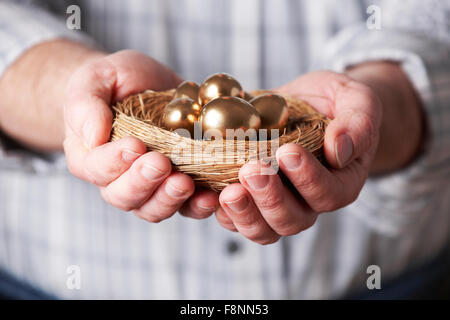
[167, 199]
[107, 162]
[138, 183]
[354, 130]
[103, 164]
[224, 220]
[201, 205]
[323, 190]
[247, 219]
[75, 152]
[283, 212]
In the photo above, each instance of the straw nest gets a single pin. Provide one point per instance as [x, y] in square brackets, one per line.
[212, 164]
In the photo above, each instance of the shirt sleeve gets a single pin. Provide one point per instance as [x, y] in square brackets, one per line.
[416, 35]
[23, 25]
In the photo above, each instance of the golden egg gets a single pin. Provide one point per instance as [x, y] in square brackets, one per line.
[181, 113]
[219, 85]
[187, 89]
[229, 113]
[273, 110]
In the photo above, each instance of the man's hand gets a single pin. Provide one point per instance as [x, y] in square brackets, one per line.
[128, 177]
[263, 209]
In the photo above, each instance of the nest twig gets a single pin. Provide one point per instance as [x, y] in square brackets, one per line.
[212, 164]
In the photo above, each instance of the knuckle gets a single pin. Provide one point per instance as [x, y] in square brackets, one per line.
[327, 205]
[247, 222]
[309, 221]
[90, 176]
[127, 73]
[270, 202]
[113, 169]
[268, 240]
[102, 71]
[307, 179]
[318, 197]
[151, 215]
[147, 216]
[368, 126]
[115, 202]
[74, 169]
[138, 188]
[317, 193]
[291, 229]
[224, 220]
[125, 207]
[353, 197]
[367, 123]
[166, 203]
[281, 221]
[227, 225]
[371, 98]
[158, 162]
[153, 219]
[254, 232]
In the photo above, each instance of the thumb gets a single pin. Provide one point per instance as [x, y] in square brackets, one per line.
[86, 113]
[354, 131]
[137, 72]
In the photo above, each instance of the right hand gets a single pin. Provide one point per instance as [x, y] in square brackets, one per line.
[128, 177]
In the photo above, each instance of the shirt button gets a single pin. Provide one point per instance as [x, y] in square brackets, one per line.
[232, 247]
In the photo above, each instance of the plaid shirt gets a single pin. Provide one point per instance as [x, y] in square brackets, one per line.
[49, 220]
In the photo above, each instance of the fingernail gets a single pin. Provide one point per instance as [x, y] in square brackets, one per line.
[238, 205]
[290, 161]
[129, 155]
[207, 209]
[150, 172]
[344, 149]
[257, 181]
[173, 191]
[88, 134]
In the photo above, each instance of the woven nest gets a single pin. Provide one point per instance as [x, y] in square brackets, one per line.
[212, 164]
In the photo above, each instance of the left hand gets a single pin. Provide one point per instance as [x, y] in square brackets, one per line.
[262, 209]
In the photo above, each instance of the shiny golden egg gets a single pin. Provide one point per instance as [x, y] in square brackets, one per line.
[219, 85]
[273, 110]
[187, 89]
[229, 113]
[181, 113]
